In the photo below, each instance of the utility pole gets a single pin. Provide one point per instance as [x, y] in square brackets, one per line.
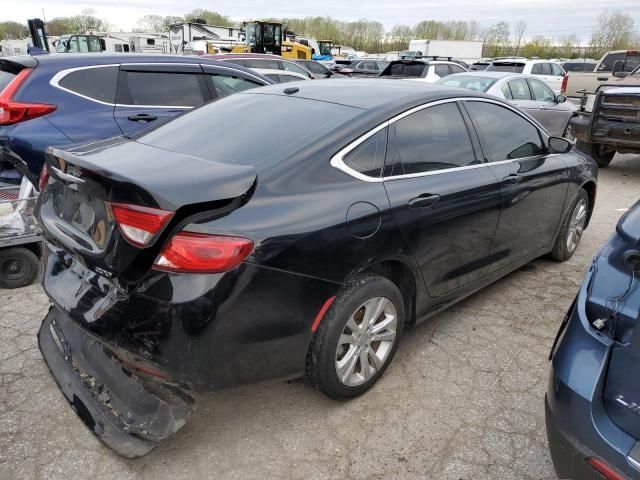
[44, 19]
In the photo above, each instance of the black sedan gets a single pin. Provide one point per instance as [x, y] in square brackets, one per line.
[194, 257]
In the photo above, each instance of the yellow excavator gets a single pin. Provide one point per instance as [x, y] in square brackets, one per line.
[271, 37]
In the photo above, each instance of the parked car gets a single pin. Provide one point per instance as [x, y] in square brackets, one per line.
[262, 60]
[429, 71]
[360, 67]
[612, 65]
[63, 99]
[579, 66]
[551, 72]
[609, 120]
[319, 70]
[593, 398]
[526, 92]
[280, 76]
[302, 250]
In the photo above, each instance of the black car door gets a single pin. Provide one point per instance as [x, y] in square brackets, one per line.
[533, 182]
[151, 93]
[444, 198]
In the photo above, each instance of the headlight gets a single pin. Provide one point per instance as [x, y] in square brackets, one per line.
[588, 105]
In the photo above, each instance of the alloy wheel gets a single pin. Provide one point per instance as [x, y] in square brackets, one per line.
[366, 341]
[576, 225]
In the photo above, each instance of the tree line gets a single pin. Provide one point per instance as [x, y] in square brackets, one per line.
[612, 30]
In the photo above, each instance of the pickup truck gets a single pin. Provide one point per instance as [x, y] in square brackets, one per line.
[609, 120]
[614, 64]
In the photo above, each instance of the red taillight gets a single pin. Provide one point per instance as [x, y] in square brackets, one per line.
[14, 112]
[199, 253]
[603, 469]
[44, 178]
[563, 87]
[139, 224]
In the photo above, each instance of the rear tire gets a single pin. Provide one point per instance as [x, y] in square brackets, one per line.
[572, 228]
[597, 151]
[18, 267]
[357, 338]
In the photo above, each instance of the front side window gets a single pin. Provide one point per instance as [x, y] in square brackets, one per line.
[94, 44]
[317, 68]
[259, 63]
[292, 67]
[163, 89]
[284, 78]
[368, 157]
[541, 92]
[504, 134]
[227, 85]
[609, 61]
[557, 70]
[506, 92]
[519, 89]
[456, 69]
[432, 139]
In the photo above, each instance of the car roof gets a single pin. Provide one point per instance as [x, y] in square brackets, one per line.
[372, 94]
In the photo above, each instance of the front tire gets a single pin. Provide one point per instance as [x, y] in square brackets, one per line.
[598, 152]
[357, 338]
[573, 226]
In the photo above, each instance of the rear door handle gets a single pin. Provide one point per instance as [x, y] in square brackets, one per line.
[602, 79]
[423, 201]
[512, 179]
[142, 117]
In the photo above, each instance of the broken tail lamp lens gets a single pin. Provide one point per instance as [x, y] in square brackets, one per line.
[139, 224]
[201, 253]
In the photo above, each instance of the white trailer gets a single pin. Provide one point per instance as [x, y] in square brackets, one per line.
[467, 50]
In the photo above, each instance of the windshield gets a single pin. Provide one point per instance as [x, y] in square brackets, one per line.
[325, 48]
[506, 67]
[279, 126]
[470, 82]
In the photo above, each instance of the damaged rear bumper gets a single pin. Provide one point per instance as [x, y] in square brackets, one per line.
[129, 413]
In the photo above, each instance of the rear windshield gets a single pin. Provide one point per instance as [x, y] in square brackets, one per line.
[405, 69]
[470, 82]
[579, 67]
[250, 129]
[506, 67]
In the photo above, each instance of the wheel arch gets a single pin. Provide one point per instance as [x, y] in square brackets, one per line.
[590, 187]
[403, 276]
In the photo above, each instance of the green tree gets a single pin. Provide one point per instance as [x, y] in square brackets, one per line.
[152, 23]
[13, 31]
[60, 26]
[496, 41]
[211, 18]
[614, 31]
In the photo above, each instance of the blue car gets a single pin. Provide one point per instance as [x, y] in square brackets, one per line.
[593, 399]
[55, 100]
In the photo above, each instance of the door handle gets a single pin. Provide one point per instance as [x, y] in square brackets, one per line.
[602, 79]
[512, 179]
[423, 201]
[142, 117]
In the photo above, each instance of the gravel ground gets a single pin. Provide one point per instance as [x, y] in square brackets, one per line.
[463, 398]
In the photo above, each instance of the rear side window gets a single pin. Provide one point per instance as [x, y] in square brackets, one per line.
[442, 70]
[316, 68]
[504, 134]
[226, 85]
[432, 139]
[456, 69]
[519, 89]
[163, 89]
[284, 78]
[631, 62]
[7, 74]
[293, 67]
[96, 83]
[368, 157]
[506, 67]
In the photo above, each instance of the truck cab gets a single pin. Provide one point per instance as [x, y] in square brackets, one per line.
[79, 44]
[612, 65]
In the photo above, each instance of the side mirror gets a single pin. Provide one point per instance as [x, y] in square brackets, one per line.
[559, 145]
[617, 68]
[561, 99]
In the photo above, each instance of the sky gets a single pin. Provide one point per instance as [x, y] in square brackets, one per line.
[544, 17]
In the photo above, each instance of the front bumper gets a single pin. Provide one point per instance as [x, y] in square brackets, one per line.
[578, 426]
[131, 414]
[621, 136]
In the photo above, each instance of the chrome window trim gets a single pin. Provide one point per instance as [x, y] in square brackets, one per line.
[337, 161]
[58, 77]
